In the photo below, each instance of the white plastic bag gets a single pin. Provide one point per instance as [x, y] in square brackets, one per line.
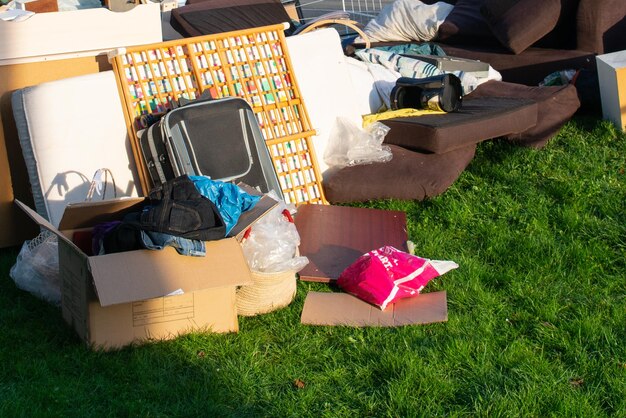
[36, 269]
[272, 243]
[350, 145]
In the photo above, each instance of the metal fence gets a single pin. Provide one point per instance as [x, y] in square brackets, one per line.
[360, 10]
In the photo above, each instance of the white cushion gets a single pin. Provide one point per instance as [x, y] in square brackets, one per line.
[68, 129]
[323, 76]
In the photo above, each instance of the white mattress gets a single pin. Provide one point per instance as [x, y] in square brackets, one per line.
[325, 83]
[68, 129]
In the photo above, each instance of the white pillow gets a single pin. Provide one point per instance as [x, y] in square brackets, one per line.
[407, 20]
[366, 97]
[322, 74]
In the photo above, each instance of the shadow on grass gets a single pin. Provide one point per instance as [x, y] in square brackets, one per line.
[47, 368]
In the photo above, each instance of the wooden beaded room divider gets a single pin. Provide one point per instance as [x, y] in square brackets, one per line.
[253, 64]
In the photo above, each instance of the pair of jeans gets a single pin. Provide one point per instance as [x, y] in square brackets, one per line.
[184, 246]
[177, 208]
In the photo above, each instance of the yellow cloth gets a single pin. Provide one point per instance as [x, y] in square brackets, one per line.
[400, 113]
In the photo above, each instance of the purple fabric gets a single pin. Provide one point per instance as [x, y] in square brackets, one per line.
[99, 231]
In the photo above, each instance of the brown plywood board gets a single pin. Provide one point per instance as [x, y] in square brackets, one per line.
[324, 308]
[14, 225]
[333, 237]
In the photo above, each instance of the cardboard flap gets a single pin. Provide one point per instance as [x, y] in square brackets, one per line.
[323, 308]
[145, 274]
[41, 221]
[249, 217]
[88, 214]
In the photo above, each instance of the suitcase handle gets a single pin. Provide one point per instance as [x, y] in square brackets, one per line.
[205, 96]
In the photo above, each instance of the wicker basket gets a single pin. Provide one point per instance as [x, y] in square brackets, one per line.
[268, 292]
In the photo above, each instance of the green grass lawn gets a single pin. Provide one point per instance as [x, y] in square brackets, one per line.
[537, 316]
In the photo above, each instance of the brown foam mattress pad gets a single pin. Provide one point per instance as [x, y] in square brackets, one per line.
[478, 119]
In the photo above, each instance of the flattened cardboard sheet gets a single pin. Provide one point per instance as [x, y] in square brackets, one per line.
[333, 237]
[324, 308]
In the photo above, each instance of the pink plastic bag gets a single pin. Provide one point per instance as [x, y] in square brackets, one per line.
[385, 275]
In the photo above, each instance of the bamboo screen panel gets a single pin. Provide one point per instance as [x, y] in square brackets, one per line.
[252, 64]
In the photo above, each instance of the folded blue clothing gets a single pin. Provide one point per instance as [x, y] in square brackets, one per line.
[229, 198]
[157, 241]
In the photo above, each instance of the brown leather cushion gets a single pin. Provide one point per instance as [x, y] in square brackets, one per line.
[409, 175]
[517, 24]
[601, 25]
[555, 106]
[563, 36]
[465, 25]
[531, 66]
[209, 17]
[478, 119]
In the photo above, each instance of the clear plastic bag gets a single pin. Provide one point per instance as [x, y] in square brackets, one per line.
[36, 269]
[272, 243]
[350, 145]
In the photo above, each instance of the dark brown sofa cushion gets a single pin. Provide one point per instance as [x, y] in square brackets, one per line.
[517, 24]
[555, 106]
[531, 66]
[465, 25]
[218, 16]
[409, 175]
[478, 119]
[601, 25]
[563, 36]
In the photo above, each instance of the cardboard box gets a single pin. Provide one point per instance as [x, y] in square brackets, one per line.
[116, 299]
[612, 79]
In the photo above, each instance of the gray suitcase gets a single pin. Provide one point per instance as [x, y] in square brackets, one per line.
[217, 138]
